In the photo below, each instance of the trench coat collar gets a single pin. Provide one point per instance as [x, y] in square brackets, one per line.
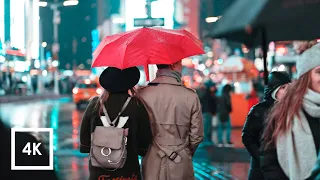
[166, 80]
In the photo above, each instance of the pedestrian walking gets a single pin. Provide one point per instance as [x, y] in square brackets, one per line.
[209, 109]
[128, 113]
[253, 127]
[176, 123]
[292, 135]
[224, 121]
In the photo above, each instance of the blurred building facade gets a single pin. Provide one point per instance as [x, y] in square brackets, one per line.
[19, 40]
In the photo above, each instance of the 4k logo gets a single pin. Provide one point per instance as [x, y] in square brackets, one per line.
[35, 149]
[27, 153]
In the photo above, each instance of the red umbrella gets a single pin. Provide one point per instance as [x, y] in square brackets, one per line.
[146, 46]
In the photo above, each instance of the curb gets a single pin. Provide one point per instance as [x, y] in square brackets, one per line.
[11, 99]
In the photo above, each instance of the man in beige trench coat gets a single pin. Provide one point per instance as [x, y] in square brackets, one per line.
[177, 126]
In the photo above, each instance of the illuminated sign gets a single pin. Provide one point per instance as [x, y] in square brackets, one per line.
[148, 22]
[17, 23]
[35, 30]
[159, 9]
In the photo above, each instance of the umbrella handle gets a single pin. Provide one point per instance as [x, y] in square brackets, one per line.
[146, 71]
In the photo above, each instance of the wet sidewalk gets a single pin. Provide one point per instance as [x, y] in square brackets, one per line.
[33, 97]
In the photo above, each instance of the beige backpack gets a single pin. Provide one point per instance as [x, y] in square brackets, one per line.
[108, 142]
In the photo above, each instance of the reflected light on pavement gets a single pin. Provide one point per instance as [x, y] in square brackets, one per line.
[75, 127]
[19, 119]
[54, 123]
[27, 115]
[75, 168]
[34, 119]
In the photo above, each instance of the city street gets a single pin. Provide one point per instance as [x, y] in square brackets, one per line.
[61, 115]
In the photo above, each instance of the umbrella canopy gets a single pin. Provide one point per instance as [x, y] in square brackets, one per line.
[281, 20]
[146, 46]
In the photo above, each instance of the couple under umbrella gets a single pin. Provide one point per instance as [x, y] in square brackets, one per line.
[163, 121]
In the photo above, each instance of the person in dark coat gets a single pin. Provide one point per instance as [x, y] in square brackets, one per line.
[224, 110]
[253, 127]
[22, 139]
[208, 102]
[116, 84]
[291, 138]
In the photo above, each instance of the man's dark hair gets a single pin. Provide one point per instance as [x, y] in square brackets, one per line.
[163, 66]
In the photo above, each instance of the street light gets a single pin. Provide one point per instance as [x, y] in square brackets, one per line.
[212, 19]
[56, 21]
[65, 3]
[71, 3]
[44, 44]
[42, 4]
[55, 63]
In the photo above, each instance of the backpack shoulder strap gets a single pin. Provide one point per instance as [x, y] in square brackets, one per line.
[122, 109]
[107, 115]
[107, 120]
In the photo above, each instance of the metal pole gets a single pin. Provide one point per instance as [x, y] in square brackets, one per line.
[152, 68]
[56, 19]
[265, 52]
[148, 7]
[40, 76]
[41, 58]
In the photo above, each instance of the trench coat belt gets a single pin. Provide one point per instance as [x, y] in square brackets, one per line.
[173, 155]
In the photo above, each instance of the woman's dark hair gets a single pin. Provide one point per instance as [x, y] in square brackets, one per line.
[104, 97]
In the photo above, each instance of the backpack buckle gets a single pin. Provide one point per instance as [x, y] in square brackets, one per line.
[105, 155]
[173, 156]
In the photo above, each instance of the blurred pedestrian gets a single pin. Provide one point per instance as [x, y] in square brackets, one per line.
[292, 138]
[21, 139]
[117, 83]
[224, 121]
[253, 127]
[176, 123]
[209, 109]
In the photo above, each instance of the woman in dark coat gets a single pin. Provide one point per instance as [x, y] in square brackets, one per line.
[253, 128]
[117, 83]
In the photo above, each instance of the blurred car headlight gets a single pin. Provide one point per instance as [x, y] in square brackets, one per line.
[99, 91]
[75, 91]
